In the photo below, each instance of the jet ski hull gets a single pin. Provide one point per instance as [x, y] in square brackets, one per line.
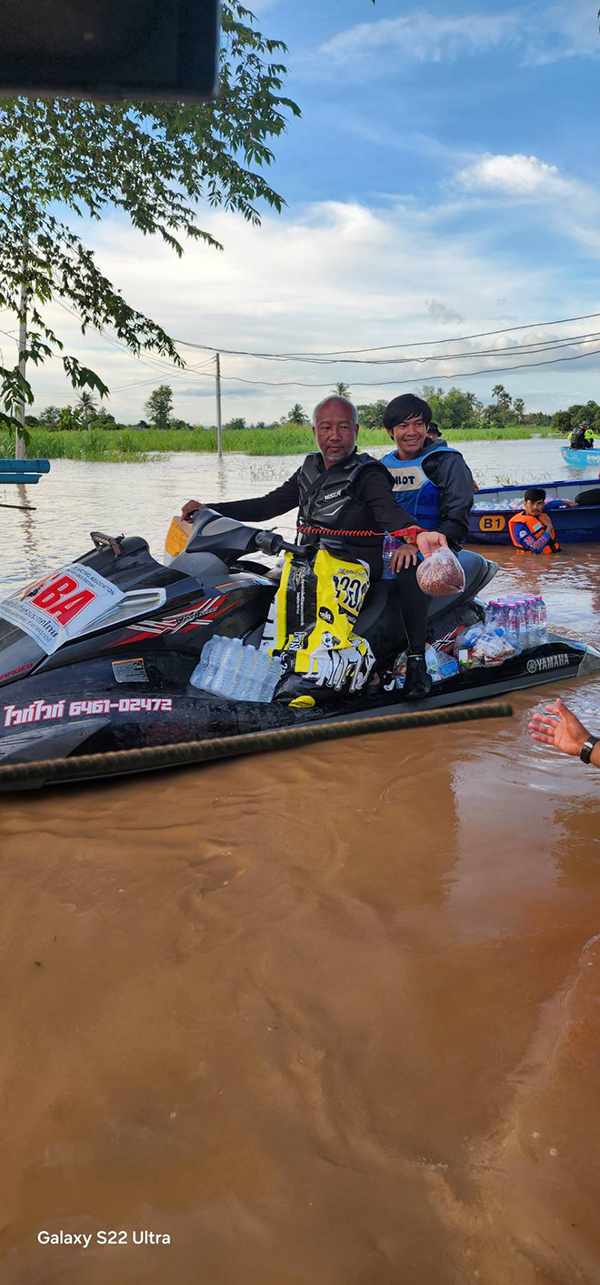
[81, 711]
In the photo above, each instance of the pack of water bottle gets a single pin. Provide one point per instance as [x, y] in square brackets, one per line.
[522, 617]
[243, 673]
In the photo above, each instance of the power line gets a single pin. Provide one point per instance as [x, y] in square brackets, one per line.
[470, 374]
[338, 353]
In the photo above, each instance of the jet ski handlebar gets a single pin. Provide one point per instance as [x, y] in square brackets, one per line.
[272, 542]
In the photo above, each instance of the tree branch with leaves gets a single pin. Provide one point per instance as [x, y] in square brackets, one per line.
[155, 163]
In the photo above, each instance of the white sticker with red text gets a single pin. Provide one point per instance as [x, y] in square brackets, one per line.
[61, 606]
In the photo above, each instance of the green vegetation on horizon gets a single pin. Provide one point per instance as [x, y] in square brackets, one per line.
[122, 445]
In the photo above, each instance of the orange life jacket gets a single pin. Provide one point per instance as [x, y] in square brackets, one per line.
[535, 526]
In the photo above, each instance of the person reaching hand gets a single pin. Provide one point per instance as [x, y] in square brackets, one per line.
[557, 725]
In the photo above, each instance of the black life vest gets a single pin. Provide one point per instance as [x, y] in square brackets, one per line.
[327, 494]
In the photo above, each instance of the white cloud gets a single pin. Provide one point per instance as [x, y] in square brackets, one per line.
[569, 206]
[425, 36]
[537, 33]
[518, 175]
[329, 276]
[567, 30]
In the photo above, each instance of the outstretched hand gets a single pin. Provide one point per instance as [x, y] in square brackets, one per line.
[559, 727]
[429, 542]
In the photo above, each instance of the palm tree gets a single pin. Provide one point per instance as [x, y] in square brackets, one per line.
[498, 391]
[296, 415]
[341, 389]
[87, 405]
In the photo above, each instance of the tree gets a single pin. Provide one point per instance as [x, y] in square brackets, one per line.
[101, 419]
[296, 415]
[70, 419]
[153, 162]
[50, 416]
[451, 408]
[503, 403]
[370, 415]
[87, 405]
[159, 406]
[519, 409]
[237, 425]
[341, 389]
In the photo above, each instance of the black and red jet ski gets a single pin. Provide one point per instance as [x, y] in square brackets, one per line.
[103, 662]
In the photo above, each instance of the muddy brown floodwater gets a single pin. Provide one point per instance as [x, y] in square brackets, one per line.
[328, 1017]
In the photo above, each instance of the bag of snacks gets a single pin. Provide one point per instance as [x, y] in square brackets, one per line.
[441, 574]
[439, 666]
[480, 645]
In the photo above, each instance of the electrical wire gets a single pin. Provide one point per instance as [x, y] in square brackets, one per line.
[469, 374]
[337, 353]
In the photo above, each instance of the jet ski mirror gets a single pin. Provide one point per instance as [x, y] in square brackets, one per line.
[102, 541]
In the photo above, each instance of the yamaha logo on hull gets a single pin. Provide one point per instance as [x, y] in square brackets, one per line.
[547, 662]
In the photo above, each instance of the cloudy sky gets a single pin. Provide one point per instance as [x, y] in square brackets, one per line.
[442, 182]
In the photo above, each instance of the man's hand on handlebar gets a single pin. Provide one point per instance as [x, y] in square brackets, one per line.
[192, 506]
[429, 542]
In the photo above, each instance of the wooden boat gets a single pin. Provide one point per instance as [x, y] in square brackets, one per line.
[494, 506]
[26, 472]
[580, 459]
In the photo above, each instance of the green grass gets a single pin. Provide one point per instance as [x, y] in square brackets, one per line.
[94, 445]
[133, 446]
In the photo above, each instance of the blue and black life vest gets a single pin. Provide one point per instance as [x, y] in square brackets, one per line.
[413, 489]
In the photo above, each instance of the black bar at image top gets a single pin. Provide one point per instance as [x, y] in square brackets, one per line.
[108, 50]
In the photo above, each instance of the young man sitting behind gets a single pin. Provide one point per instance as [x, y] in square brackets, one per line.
[531, 529]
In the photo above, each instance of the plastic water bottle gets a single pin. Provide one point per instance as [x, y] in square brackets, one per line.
[532, 621]
[512, 629]
[390, 544]
[523, 622]
[204, 673]
[245, 679]
[272, 672]
[491, 613]
[501, 614]
[543, 620]
[231, 674]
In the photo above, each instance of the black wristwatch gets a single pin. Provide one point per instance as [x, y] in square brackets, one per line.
[586, 750]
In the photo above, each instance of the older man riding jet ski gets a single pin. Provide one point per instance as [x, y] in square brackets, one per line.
[339, 490]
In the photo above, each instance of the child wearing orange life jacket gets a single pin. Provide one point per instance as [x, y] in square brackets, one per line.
[531, 530]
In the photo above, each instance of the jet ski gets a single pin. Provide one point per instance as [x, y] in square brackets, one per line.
[97, 657]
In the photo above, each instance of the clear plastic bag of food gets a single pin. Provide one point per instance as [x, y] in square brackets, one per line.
[441, 574]
[481, 645]
[439, 666]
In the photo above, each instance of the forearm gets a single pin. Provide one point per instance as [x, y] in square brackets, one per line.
[532, 543]
[260, 508]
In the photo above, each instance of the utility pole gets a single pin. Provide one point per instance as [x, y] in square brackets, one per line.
[20, 441]
[218, 391]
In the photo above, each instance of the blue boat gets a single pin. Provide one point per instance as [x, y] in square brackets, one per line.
[26, 472]
[494, 506]
[580, 459]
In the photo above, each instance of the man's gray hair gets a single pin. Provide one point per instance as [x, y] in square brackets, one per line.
[335, 397]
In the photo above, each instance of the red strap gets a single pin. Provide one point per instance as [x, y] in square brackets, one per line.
[411, 533]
